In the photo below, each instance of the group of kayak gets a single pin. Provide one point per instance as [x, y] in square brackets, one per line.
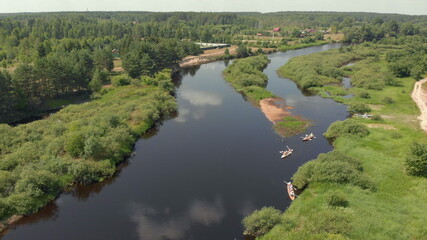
[289, 186]
[289, 151]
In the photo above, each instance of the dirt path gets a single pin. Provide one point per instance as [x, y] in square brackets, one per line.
[419, 96]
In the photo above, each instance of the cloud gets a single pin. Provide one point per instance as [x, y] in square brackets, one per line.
[201, 98]
[159, 224]
[182, 116]
[207, 213]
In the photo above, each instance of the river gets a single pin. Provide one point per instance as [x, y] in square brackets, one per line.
[196, 175]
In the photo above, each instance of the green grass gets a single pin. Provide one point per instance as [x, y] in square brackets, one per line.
[396, 208]
[291, 125]
[284, 48]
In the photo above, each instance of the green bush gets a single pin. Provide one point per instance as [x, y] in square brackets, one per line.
[345, 127]
[364, 95]
[377, 117]
[388, 100]
[333, 167]
[75, 144]
[5, 209]
[416, 160]
[261, 221]
[337, 199]
[120, 80]
[86, 172]
[358, 108]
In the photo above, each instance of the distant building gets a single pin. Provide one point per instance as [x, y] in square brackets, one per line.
[276, 29]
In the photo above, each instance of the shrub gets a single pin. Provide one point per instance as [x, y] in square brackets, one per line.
[86, 172]
[120, 80]
[364, 95]
[388, 100]
[261, 221]
[359, 108]
[75, 145]
[377, 117]
[416, 160]
[331, 167]
[337, 199]
[396, 135]
[5, 209]
[42, 180]
[346, 127]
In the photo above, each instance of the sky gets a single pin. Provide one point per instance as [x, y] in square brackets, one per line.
[411, 7]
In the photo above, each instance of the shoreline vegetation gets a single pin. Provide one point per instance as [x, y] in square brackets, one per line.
[80, 144]
[365, 188]
[246, 77]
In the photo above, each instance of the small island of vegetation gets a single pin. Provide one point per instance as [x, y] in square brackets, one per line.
[246, 76]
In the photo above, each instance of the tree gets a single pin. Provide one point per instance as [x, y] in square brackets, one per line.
[132, 64]
[416, 160]
[98, 80]
[242, 51]
[103, 59]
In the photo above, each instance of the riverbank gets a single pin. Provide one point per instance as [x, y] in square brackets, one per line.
[373, 207]
[80, 144]
[213, 55]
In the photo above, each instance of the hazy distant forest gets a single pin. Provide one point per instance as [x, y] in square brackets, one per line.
[48, 57]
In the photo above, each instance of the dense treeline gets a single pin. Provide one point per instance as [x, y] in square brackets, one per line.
[80, 144]
[62, 67]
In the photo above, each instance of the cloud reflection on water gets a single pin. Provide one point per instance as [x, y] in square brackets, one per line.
[155, 224]
[201, 98]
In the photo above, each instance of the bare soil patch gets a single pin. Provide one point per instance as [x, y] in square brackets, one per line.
[381, 125]
[117, 65]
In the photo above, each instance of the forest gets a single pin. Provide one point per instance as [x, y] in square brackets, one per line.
[49, 56]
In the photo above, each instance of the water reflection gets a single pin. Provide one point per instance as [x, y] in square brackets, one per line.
[201, 98]
[163, 224]
[199, 101]
[190, 70]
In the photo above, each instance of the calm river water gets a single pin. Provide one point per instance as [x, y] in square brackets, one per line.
[197, 175]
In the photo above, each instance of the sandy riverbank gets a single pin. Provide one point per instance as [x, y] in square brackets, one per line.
[212, 55]
[419, 95]
[274, 109]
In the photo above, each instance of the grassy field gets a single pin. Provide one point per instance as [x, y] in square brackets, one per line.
[295, 46]
[394, 206]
